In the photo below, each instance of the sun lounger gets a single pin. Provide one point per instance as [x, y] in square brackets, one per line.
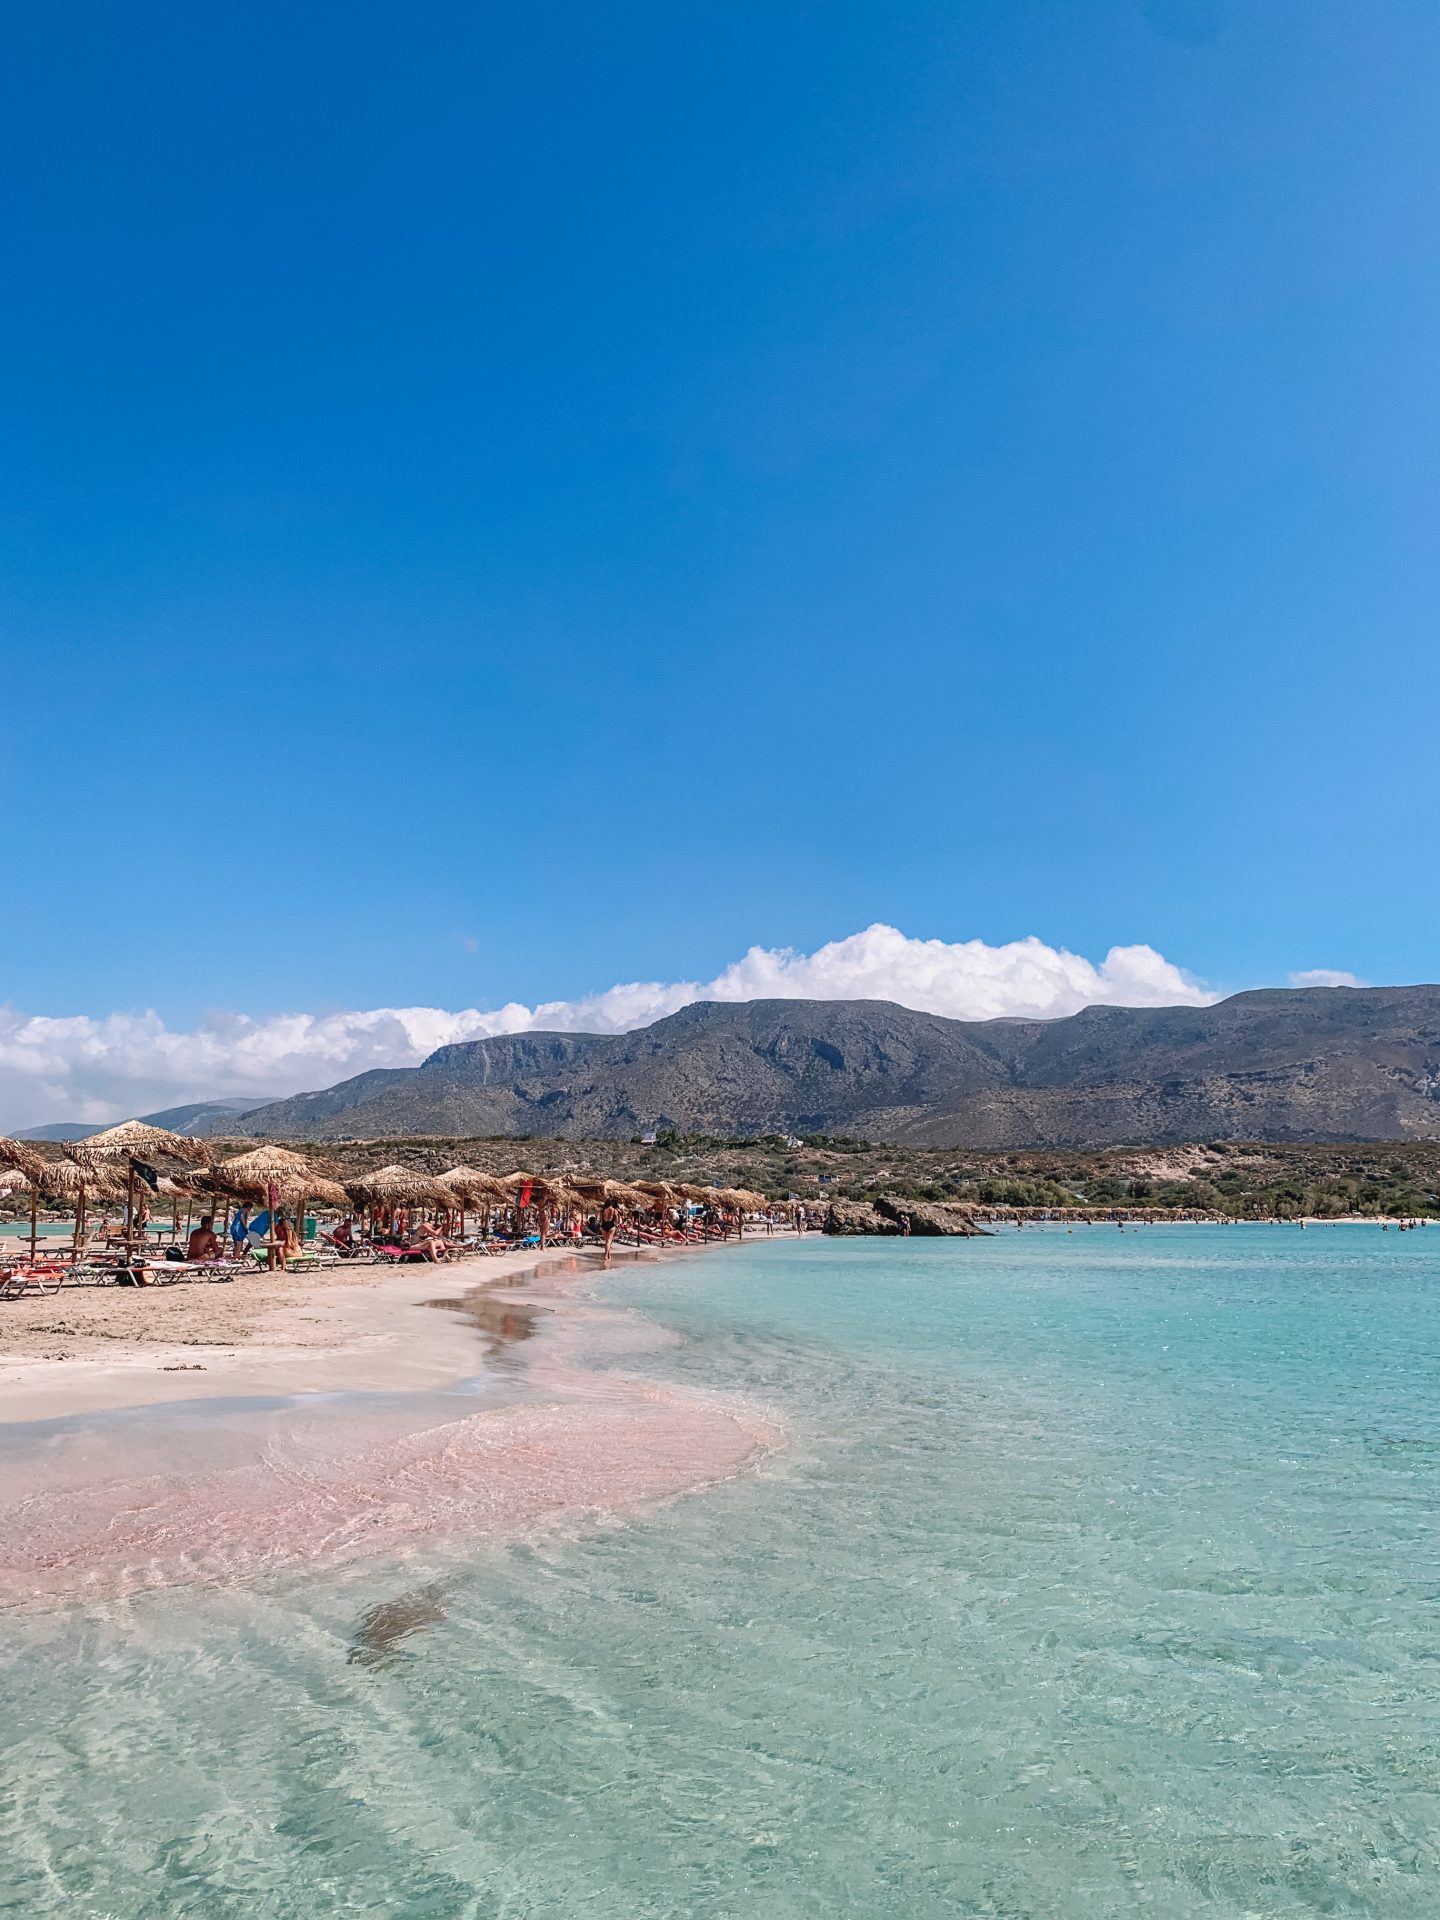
[27, 1279]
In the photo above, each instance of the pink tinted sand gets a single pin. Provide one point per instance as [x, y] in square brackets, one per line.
[325, 1481]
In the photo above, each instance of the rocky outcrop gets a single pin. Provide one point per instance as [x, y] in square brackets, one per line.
[927, 1219]
[856, 1216]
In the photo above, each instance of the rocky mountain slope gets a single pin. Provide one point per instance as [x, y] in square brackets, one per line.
[1312, 1064]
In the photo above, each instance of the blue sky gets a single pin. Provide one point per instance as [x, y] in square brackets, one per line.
[501, 501]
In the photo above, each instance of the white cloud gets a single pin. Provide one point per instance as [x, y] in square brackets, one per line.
[106, 1067]
[1324, 977]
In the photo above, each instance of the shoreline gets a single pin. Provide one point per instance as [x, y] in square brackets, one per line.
[96, 1350]
[394, 1431]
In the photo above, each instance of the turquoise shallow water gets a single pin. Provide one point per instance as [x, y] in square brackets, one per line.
[1101, 1577]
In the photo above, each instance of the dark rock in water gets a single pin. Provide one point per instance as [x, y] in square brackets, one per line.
[929, 1218]
[382, 1630]
[887, 1215]
[854, 1216]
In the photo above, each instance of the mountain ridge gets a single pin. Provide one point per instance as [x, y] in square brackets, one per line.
[189, 1117]
[1284, 1064]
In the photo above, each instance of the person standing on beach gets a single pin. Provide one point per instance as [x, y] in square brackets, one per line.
[609, 1221]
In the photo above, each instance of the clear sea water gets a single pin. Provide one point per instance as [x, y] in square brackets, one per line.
[1101, 1577]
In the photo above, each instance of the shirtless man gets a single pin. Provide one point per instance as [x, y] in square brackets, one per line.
[202, 1244]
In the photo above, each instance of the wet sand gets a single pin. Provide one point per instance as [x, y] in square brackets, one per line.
[475, 1401]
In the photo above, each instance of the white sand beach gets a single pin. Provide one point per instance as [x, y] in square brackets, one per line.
[87, 1348]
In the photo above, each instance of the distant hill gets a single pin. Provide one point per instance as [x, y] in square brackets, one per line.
[1304, 1065]
[203, 1116]
[198, 1117]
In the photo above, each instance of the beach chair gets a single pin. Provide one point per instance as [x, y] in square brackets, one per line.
[36, 1279]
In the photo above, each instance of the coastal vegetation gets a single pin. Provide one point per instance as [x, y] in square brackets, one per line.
[1240, 1179]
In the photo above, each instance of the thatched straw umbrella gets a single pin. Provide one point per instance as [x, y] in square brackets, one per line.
[657, 1192]
[18, 1158]
[136, 1139]
[132, 1140]
[623, 1194]
[13, 1180]
[591, 1191]
[280, 1164]
[173, 1190]
[548, 1193]
[279, 1177]
[64, 1180]
[558, 1198]
[659, 1196]
[472, 1188]
[741, 1200]
[589, 1187]
[397, 1186]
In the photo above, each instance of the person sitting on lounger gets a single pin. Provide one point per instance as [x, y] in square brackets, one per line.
[202, 1244]
[284, 1238]
[429, 1243]
[344, 1236]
